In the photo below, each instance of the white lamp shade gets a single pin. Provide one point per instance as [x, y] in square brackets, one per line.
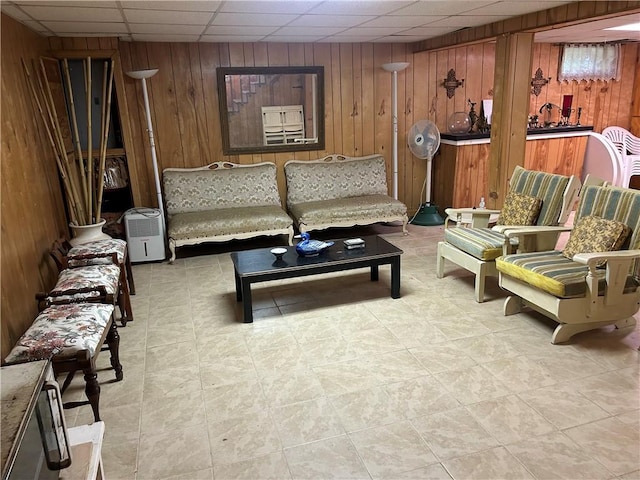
[395, 67]
[140, 74]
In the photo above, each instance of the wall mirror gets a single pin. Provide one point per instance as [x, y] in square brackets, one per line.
[271, 109]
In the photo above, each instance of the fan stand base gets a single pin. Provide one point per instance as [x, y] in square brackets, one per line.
[427, 216]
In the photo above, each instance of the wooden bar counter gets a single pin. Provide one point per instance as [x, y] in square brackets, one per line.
[460, 169]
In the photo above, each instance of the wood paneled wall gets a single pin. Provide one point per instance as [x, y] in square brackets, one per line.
[32, 210]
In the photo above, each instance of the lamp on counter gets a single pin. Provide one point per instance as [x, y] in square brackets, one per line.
[395, 68]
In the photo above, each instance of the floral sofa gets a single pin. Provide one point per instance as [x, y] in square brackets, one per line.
[339, 191]
[223, 201]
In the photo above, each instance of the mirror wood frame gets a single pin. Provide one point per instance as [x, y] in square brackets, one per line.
[228, 149]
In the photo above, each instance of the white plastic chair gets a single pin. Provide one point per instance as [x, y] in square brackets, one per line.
[628, 145]
[599, 150]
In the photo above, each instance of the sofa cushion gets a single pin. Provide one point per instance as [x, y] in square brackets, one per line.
[361, 210]
[318, 180]
[227, 221]
[482, 243]
[595, 234]
[199, 190]
[519, 209]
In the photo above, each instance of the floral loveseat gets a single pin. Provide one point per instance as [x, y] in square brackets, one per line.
[339, 191]
[223, 201]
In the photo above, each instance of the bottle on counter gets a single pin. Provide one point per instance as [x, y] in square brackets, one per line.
[481, 204]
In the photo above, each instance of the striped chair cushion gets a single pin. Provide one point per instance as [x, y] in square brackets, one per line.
[482, 243]
[547, 186]
[553, 272]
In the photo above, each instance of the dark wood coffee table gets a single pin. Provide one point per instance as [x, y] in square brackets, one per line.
[260, 265]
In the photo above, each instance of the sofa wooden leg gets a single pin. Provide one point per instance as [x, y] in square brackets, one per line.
[172, 249]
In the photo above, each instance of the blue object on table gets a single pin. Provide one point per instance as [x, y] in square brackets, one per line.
[310, 248]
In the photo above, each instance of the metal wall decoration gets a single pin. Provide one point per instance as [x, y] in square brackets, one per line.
[538, 81]
[451, 83]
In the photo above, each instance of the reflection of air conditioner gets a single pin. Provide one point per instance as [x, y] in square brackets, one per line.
[145, 234]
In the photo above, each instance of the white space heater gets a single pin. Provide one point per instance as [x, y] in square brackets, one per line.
[145, 234]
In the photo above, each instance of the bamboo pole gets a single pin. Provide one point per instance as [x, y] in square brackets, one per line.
[89, 171]
[65, 179]
[50, 104]
[74, 120]
[106, 118]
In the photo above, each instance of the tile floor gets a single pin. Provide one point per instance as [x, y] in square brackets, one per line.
[334, 379]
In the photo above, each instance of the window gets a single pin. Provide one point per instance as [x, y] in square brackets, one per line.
[589, 61]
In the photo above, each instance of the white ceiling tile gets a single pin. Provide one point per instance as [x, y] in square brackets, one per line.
[86, 27]
[399, 21]
[437, 7]
[291, 39]
[152, 28]
[377, 31]
[167, 17]
[79, 14]
[509, 8]
[231, 38]
[14, 12]
[398, 39]
[330, 20]
[164, 38]
[267, 6]
[428, 32]
[37, 27]
[66, 4]
[308, 31]
[252, 19]
[178, 6]
[350, 39]
[226, 30]
[461, 21]
[358, 7]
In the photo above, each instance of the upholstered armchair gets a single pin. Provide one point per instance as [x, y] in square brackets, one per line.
[534, 199]
[594, 281]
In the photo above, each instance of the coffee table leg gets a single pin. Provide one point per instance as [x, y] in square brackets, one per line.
[247, 306]
[374, 273]
[238, 287]
[395, 277]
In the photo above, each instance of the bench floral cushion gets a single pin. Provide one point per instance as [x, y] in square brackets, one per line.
[63, 330]
[99, 247]
[91, 276]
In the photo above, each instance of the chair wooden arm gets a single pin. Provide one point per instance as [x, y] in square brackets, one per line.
[617, 270]
[533, 238]
[76, 295]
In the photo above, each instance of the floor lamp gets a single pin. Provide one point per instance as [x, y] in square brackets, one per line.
[142, 75]
[395, 68]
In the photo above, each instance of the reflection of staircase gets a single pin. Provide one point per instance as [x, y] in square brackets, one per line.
[240, 88]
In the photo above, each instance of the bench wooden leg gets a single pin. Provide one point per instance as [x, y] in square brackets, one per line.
[132, 285]
[92, 387]
[113, 341]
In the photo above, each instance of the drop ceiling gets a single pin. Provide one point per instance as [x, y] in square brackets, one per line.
[289, 21]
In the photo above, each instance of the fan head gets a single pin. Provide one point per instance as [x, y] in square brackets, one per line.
[423, 139]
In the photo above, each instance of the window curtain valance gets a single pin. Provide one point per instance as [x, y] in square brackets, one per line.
[589, 61]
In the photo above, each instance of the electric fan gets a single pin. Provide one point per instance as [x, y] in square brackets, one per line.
[424, 139]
